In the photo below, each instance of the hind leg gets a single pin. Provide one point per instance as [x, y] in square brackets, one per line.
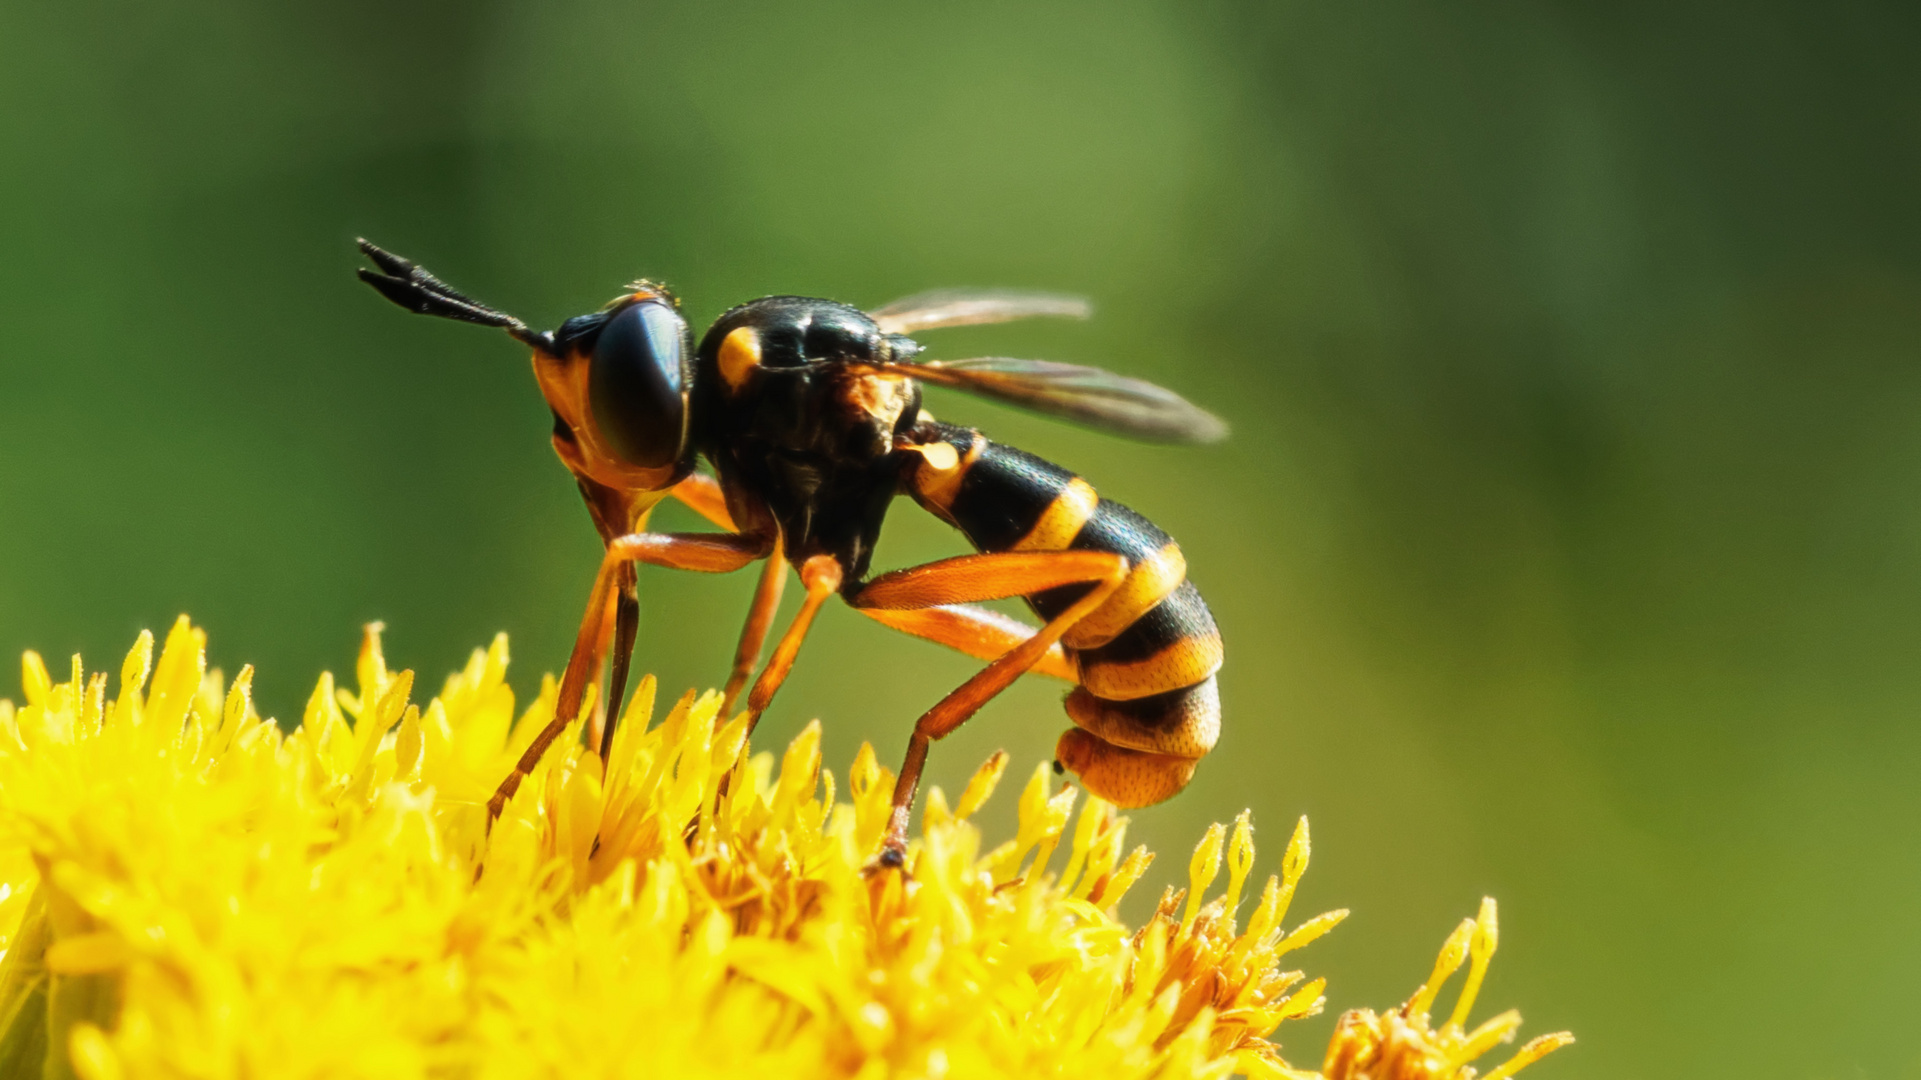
[968, 579]
[977, 631]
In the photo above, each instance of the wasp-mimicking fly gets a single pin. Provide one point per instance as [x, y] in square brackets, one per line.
[809, 413]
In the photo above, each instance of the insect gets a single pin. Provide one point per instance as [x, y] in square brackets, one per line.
[809, 413]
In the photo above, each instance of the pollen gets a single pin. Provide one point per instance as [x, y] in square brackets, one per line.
[189, 889]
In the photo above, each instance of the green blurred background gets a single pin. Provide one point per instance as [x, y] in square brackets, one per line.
[1567, 547]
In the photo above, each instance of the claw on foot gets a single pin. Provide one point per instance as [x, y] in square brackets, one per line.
[891, 857]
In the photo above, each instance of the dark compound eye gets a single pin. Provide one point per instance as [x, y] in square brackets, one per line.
[638, 384]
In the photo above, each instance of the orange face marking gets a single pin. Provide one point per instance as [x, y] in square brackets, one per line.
[563, 382]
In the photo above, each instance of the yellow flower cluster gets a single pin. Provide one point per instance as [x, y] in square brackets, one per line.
[188, 891]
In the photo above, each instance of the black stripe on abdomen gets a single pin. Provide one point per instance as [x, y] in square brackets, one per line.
[1147, 707]
[1171, 646]
[1004, 494]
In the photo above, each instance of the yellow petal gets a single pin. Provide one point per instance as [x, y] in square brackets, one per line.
[88, 954]
[1535, 1050]
[1202, 868]
[980, 787]
[35, 683]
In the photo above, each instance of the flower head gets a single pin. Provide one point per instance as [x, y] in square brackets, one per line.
[187, 890]
[1403, 1044]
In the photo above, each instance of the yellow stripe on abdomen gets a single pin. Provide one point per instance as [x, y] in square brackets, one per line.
[1061, 522]
[1182, 663]
[1151, 581]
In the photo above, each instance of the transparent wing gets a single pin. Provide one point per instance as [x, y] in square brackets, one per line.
[1084, 394]
[974, 307]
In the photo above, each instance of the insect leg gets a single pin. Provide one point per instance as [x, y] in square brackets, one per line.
[626, 625]
[821, 577]
[979, 632]
[701, 493]
[616, 514]
[705, 552]
[597, 656]
[982, 577]
[760, 618]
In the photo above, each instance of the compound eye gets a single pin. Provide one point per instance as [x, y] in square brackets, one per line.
[638, 384]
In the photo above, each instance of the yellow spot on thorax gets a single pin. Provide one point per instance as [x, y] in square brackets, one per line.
[739, 356]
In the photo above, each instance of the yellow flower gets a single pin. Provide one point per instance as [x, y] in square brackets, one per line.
[1403, 1045]
[187, 890]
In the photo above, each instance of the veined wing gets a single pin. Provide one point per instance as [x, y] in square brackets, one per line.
[1087, 395]
[974, 307]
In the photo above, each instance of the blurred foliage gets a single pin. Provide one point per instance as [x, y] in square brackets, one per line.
[1567, 548]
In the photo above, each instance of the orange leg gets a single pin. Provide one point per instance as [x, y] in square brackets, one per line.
[976, 631]
[617, 629]
[616, 513]
[705, 552]
[964, 580]
[703, 496]
[760, 618]
[821, 577]
[607, 625]
[626, 625]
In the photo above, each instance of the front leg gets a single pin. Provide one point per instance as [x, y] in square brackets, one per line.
[712, 553]
[704, 495]
[626, 626]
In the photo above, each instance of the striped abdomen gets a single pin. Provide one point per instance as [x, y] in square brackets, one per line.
[1147, 707]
